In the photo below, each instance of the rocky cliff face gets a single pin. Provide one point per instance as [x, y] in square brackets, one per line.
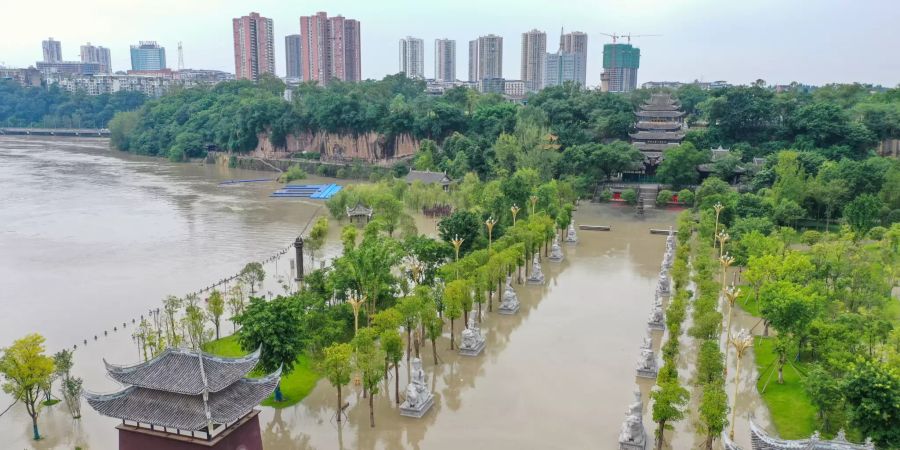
[371, 147]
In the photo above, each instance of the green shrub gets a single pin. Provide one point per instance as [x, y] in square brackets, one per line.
[605, 195]
[232, 161]
[686, 196]
[877, 233]
[630, 196]
[341, 173]
[322, 170]
[810, 237]
[664, 197]
[294, 172]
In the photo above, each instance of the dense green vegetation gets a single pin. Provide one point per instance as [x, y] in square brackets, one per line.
[56, 108]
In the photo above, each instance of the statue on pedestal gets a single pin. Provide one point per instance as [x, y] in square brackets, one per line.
[662, 285]
[418, 398]
[472, 339]
[647, 342]
[656, 321]
[537, 276]
[556, 254]
[571, 237]
[510, 302]
[632, 435]
[646, 367]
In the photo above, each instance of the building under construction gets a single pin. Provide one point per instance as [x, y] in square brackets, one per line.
[620, 67]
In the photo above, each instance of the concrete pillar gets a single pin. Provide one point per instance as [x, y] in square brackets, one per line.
[298, 246]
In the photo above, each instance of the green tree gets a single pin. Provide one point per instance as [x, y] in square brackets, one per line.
[613, 158]
[252, 275]
[464, 224]
[215, 306]
[669, 401]
[26, 372]
[453, 309]
[713, 412]
[369, 362]
[872, 392]
[863, 212]
[348, 237]
[824, 391]
[337, 367]
[434, 327]
[275, 327]
[679, 165]
[392, 344]
[316, 239]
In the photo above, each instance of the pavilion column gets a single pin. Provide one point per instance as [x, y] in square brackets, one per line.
[298, 246]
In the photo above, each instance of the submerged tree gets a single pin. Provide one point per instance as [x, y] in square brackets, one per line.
[668, 406]
[253, 275]
[27, 371]
[70, 386]
[369, 362]
[316, 239]
[337, 366]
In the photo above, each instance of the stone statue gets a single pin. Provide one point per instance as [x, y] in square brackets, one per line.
[646, 367]
[556, 254]
[632, 435]
[472, 339]
[571, 237]
[662, 286]
[418, 398]
[510, 302]
[647, 342]
[656, 321]
[537, 275]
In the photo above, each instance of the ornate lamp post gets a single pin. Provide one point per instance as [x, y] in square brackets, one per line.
[731, 294]
[534, 200]
[718, 207]
[515, 210]
[741, 343]
[726, 260]
[490, 226]
[722, 237]
[457, 242]
[356, 303]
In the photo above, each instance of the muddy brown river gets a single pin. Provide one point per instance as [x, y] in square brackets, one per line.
[91, 238]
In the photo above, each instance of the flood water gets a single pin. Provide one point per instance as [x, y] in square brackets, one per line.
[91, 238]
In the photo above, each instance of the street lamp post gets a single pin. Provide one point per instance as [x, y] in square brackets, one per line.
[490, 226]
[534, 200]
[731, 294]
[356, 303]
[457, 242]
[722, 237]
[718, 207]
[741, 343]
[515, 210]
[726, 260]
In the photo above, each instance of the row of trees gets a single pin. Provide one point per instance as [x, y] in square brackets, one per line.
[57, 108]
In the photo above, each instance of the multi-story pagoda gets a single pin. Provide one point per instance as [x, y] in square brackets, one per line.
[659, 126]
[186, 399]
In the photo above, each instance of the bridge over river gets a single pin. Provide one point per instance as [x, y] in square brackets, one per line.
[85, 132]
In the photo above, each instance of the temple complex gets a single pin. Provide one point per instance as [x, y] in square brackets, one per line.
[659, 125]
[186, 399]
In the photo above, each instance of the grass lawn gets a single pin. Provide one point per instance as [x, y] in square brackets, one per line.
[294, 386]
[747, 301]
[792, 413]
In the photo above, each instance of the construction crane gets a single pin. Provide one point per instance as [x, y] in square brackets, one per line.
[627, 36]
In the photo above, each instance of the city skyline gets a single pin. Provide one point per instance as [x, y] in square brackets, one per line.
[700, 39]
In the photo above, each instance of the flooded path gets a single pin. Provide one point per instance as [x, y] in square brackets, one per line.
[94, 238]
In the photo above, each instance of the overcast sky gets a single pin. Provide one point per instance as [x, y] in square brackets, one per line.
[810, 41]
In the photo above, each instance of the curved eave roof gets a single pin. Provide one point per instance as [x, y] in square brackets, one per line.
[642, 146]
[184, 412]
[178, 371]
[670, 107]
[666, 114]
[645, 125]
[657, 135]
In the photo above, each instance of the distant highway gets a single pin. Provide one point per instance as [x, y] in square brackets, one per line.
[86, 132]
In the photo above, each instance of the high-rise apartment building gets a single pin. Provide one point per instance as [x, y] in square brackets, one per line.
[486, 58]
[534, 53]
[444, 60]
[52, 50]
[330, 48]
[620, 66]
[559, 68]
[576, 43]
[292, 45]
[254, 46]
[148, 56]
[412, 57]
[96, 54]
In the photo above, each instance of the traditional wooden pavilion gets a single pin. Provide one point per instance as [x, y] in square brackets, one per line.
[186, 399]
[659, 126]
[359, 211]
